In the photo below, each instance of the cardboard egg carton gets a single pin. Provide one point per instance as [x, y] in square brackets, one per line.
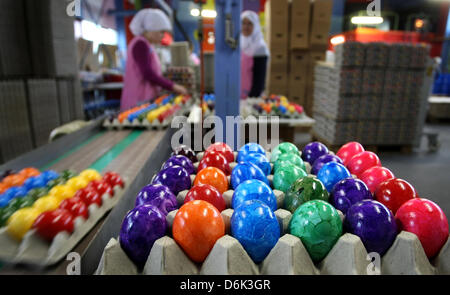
[34, 250]
[288, 257]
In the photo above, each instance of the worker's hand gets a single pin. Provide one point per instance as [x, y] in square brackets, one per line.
[180, 89]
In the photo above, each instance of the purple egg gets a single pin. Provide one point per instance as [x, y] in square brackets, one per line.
[180, 160]
[159, 196]
[312, 151]
[322, 160]
[347, 192]
[140, 229]
[176, 178]
[374, 223]
[185, 151]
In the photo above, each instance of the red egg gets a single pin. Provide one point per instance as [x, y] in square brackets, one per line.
[113, 179]
[427, 221]
[348, 150]
[395, 192]
[75, 206]
[223, 149]
[50, 223]
[206, 193]
[372, 177]
[361, 162]
[102, 187]
[215, 159]
[89, 196]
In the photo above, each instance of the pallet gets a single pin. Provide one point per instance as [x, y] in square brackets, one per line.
[376, 148]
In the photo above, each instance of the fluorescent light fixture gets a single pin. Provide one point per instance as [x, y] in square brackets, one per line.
[337, 40]
[195, 12]
[367, 20]
[208, 13]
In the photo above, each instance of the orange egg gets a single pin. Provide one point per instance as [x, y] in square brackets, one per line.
[14, 180]
[214, 177]
[3, 188]
[29, 172]
[196, 228]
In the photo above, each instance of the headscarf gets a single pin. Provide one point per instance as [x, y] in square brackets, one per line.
[253, 45]
[150, 20]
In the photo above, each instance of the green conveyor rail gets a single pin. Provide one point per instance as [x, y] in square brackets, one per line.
[107, 158]
[75, 149]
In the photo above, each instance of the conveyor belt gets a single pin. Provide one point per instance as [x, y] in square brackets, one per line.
[131, 160]
[89, 153]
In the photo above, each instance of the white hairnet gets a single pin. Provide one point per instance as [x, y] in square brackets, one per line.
[150, 20]
[253, 45]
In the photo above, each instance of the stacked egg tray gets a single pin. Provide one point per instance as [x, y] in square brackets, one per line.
[275, 105]
[157, 115]
[288, 257]
[35, 249]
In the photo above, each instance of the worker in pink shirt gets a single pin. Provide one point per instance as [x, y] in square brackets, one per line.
[143, 75]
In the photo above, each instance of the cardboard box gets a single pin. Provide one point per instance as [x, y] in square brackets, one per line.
[277, 23]
[298, 62]
[322, 11]
[297, 91]
[279, 61]
[300, 24]
[319, 33]
[278, 83]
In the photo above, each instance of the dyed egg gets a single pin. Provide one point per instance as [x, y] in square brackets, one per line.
[215, 159]
[159, 196]
[249, 148]
[348, 150]
[372, 177]
[254, 189]
[176, 178]
[179, 160]
[304, 190]
[318, 226]
[185, 151]
[427, 221]
[222, 148]
[361, 162]
[285, 176]
[256, 228]
[293, 159]
[196, 228]
[331, 173]
[322, 160]
[347, 192]
[214, 177]
[373, 223]
[21, 221]
[312, 151]
[141, 227]
[246, 171]
[283, 148]
[395, 192]
[259, 160]
[208, 193]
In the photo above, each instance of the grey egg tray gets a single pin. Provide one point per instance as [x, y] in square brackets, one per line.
[288, 257]
[34, 250]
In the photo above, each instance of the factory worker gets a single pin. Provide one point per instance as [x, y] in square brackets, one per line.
[254, 56]
[143, 75]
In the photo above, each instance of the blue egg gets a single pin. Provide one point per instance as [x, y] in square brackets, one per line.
[49, 175]
[249, 148]
[35, 182]
[11, 193]
[246, 171]
[331, 173]
[259, 160]
[254, 190]
[255, 226]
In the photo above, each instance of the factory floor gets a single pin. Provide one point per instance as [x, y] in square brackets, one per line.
[427, 171]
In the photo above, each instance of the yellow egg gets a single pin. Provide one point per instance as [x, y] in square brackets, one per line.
[47, 203]
[21, 221]
[291, 109]
[77, 183]
[90, 175]
[62, 192]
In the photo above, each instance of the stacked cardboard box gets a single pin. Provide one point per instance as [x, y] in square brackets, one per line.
[370, 100]
[297, 34]
[277, 34]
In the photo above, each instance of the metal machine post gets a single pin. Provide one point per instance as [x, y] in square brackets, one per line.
[228, 66]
